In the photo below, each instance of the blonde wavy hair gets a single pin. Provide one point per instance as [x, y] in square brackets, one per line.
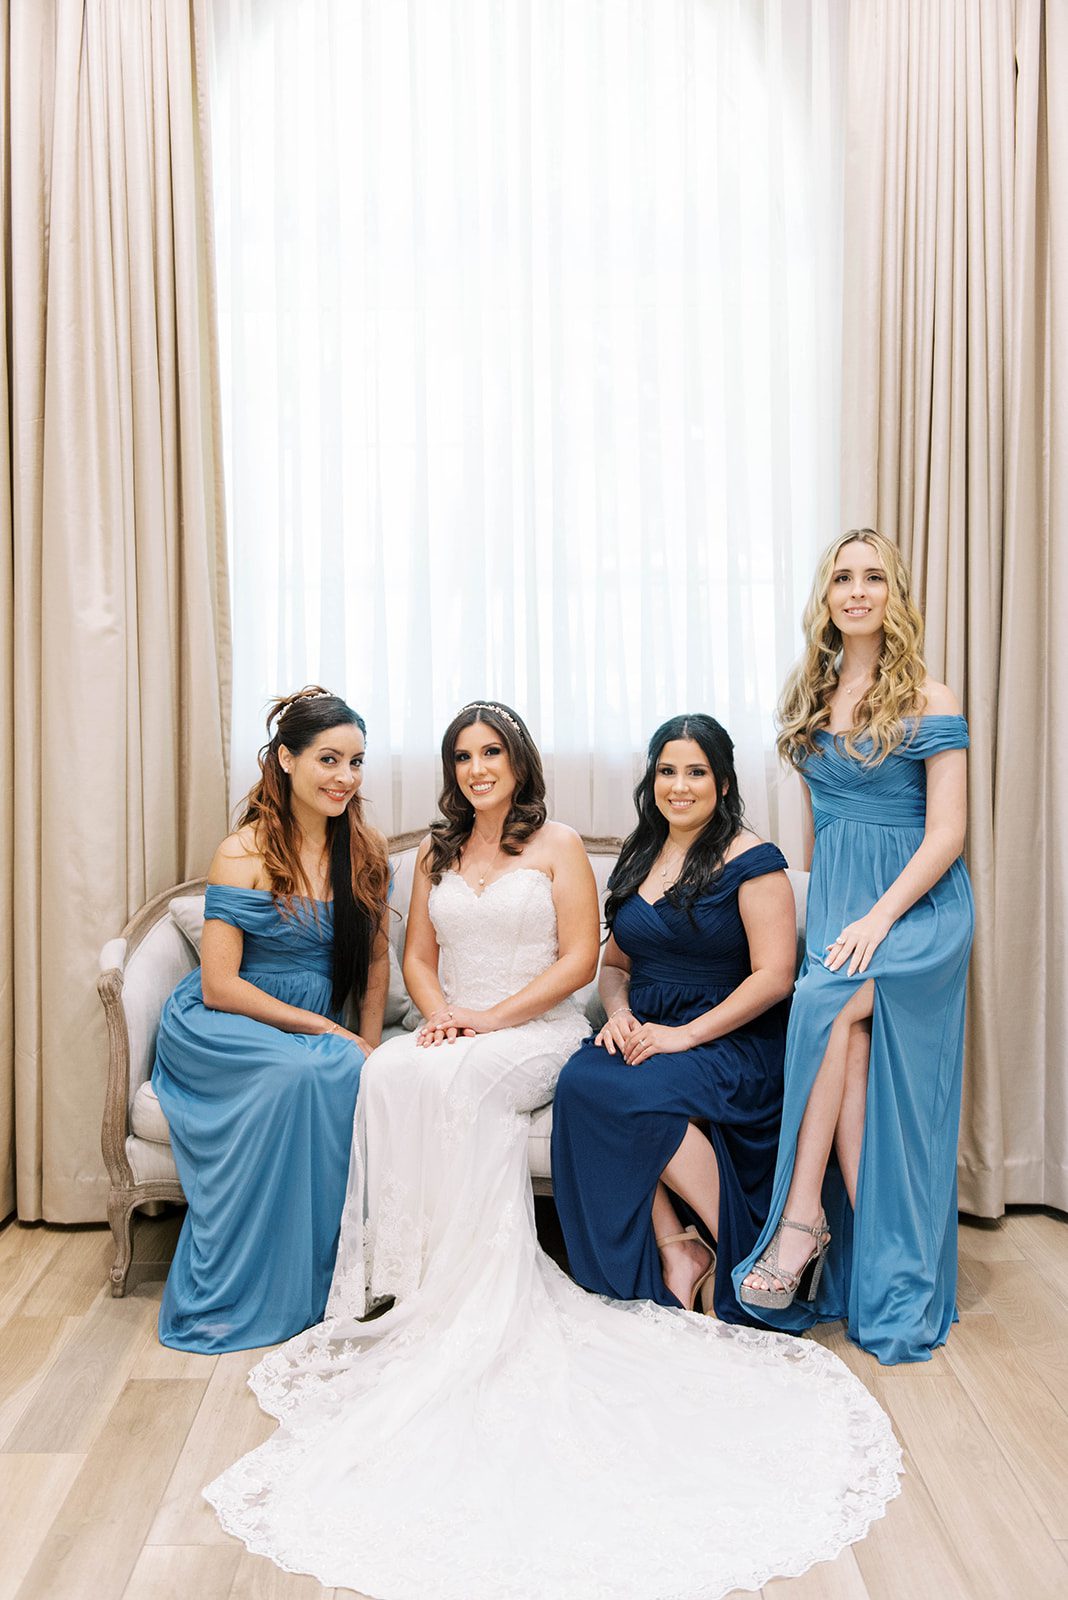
[880, 715]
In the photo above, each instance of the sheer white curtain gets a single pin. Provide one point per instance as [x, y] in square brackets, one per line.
[530, 328]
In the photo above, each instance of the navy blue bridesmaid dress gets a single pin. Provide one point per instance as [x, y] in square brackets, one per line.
[261, 1126]
[616, 1127]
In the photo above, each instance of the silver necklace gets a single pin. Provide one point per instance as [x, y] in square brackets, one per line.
[676, 861]
[488, 865]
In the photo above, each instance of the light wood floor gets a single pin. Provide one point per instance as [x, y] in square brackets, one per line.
[106, 1437]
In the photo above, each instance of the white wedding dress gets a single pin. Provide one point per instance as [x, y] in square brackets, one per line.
[499, 1434]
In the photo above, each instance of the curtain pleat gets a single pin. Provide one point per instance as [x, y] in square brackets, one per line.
[117, 611]
[953, 401]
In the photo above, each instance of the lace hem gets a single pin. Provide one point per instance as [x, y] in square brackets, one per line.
[392, 1540]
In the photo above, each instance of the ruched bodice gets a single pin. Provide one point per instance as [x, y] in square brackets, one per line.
[277, 939]
[890, 795]
[703, 948]
[494, 943]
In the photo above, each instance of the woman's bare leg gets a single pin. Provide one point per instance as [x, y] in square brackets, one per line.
[804, 1203]
[692, 1173]
[849, 1134]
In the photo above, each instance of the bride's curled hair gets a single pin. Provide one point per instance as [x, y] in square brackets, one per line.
[527, 812]
[880, 715]
[704, 858]
[359, 867]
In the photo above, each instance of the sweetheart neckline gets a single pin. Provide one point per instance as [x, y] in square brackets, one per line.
[513, 872]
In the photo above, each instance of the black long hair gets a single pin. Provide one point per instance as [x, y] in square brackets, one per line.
[359, 869]
[704, 859]
[527, 812]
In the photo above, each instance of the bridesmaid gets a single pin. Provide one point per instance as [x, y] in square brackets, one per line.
[696, 972]
[254, 1070]
[866, 1182]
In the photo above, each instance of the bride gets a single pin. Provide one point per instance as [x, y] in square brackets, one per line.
[497, 1433]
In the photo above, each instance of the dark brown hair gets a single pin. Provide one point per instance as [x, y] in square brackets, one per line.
[359, 868]
[527, 812]
[703, 861]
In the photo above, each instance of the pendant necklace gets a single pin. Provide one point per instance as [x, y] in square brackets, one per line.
[488, 866]
[676, 861]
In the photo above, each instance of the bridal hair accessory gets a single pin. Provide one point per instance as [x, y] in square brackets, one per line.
[491, 705]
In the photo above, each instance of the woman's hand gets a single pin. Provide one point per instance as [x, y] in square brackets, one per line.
[617, 1030]
[450, 1023]
[653, 1039]
[353, 1038]
[858, 942]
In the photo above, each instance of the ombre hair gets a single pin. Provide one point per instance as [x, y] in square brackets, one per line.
[359, 868]
[526, 814]
[881, 715]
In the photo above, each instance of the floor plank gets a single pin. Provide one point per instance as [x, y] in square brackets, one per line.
[26, 1252]
[66, 1414]
[93, 1544]
[31, 1490]
[909, 1551]
[988, 1241]
[999, 1539]
[1043, 1238]
[830, 1580]
[179, 1572]
[227, 1425]
[29, 1347]
[1032, 1314]
[257, 1579]
[1030, 1426]
[74, 1277]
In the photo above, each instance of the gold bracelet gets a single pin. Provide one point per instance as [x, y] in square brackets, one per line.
[616, 1012]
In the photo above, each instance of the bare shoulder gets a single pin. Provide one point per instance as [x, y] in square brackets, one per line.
[939, 700]
[422, 852]
[379, 841]
[238, 862]
[558, 844]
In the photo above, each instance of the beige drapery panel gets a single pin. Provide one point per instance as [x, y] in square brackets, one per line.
[955, 442]
[113, 601]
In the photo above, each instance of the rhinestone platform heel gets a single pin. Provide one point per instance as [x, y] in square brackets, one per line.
[804, 1282]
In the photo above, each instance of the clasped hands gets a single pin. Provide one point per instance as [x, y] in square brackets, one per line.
[449, 1023]
[637, 1041]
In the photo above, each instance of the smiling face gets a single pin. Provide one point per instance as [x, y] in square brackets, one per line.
[857, 591]
[483, 771]
[327, 772]
[684, 787]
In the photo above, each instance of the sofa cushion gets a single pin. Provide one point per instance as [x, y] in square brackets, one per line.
[146, 1116]
[538, 1142]
[401, 1011]
[150, 1162]
[188, 912]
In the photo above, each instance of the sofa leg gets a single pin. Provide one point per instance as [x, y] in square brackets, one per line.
[120, 1215]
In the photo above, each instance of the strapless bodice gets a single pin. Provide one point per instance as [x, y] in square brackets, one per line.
[494, 943]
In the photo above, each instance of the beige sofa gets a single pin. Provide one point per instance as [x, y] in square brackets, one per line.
[156, 949]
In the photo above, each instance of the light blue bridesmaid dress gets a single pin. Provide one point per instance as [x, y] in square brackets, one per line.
[261, 1125]
[892, 1266]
